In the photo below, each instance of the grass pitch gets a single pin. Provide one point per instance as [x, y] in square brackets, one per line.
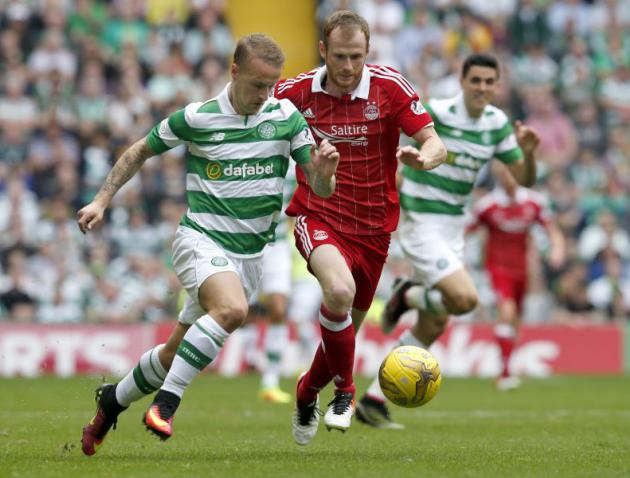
[559, 427]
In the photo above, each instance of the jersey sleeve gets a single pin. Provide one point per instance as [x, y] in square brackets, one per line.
[409, 113]
[301, 138]
[285, 89]
[174, 130]
[479, 212]
[507, 149]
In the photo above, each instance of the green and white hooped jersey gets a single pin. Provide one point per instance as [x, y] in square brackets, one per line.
[235, 167]
[471, 143]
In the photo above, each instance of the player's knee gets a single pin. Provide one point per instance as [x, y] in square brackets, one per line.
[230, 316]
[339, 295]
[463, 302]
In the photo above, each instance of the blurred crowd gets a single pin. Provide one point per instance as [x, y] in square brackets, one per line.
[80, 80]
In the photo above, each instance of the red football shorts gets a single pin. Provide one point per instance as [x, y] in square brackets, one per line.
[508, 286]
[365, 255]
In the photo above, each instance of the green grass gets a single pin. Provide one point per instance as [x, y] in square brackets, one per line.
[560, 427]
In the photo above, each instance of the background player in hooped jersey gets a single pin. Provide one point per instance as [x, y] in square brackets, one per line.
[238, 148]
[432, 222]
[360, 109]
[508, 214]
[275, 289]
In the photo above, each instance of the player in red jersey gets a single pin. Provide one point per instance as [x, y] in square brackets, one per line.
[360, 109]
[508, 213]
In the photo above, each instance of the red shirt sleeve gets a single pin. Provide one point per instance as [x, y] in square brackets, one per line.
[408, 111]
[277, 89]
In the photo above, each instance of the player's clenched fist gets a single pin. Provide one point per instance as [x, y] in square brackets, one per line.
[325, 158]
[410, 156]
[89, 216]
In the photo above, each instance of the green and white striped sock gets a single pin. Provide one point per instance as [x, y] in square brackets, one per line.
[426, 299]
[143, 379]
[200, 346]
[275, 342]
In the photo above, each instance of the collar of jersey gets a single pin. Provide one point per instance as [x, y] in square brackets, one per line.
[361, 91]
[504, 200]
[461, 109]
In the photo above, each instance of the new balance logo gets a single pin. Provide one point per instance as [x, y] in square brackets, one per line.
[338, 379]
[308, 113]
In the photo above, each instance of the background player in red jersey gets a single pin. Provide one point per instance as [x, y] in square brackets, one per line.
[508, 213]
[360, 109]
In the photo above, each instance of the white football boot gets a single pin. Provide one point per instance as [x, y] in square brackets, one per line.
[340, 411]
[305, 419]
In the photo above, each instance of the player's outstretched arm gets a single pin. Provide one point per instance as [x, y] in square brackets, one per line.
[126, 166]
[557, 249]
[431, 154]
[524, 170]
[320, 170]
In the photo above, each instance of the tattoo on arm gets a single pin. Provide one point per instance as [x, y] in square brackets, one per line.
[323, 188]
[124, 168]
[319, 186]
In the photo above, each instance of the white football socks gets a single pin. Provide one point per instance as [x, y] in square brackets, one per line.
[426, 299]
[143, 379]
[275, 342]
[200, 346]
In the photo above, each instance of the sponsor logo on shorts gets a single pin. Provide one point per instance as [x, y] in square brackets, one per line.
[219, 261]
[442, 264]
[320, 235]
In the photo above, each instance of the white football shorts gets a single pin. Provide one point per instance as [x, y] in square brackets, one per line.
[197, 257]
[433, 243]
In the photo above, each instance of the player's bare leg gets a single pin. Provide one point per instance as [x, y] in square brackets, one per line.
[223, 298]
[505, 332]
[275, 341]
[454, 294]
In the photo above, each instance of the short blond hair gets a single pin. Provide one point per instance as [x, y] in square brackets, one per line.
[347, 21]
[261, 46]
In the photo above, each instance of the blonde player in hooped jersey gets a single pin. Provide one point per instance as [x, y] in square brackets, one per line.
[432, 223]
[238, 150]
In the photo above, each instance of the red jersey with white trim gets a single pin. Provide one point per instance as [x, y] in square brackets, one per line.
[365, 127]
[508, 221]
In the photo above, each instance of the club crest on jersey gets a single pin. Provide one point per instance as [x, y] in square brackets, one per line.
[371, 111]
[320, 235]
[485, 137]
[266, 130]
[417, 108]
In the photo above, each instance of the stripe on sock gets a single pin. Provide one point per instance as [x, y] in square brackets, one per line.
[192, 355]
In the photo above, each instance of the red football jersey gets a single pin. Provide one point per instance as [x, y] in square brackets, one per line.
[365, 127]
[508, 222]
